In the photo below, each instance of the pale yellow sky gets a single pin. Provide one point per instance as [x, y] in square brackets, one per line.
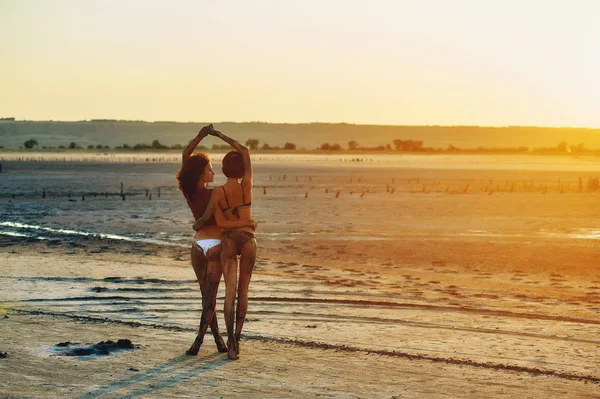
[434, 62]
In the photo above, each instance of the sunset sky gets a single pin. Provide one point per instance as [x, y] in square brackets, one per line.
[426, 62]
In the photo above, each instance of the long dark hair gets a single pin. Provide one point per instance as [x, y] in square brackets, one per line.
[190, 172]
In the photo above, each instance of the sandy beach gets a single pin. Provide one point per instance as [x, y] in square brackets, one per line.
[412, 278]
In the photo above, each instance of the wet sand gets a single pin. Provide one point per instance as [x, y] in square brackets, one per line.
[408, 283]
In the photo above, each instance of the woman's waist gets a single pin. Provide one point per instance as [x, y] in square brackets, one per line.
[208, 232]
[245, 228]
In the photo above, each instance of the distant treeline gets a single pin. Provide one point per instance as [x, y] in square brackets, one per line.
[405, 146]
[305, 136]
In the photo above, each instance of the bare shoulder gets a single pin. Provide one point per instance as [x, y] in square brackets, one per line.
[218, 194]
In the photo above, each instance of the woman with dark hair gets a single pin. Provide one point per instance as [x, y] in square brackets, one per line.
[195, 173]
[233, 200]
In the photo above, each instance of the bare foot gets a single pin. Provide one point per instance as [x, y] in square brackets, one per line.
[193, 351]
[232, 351]
[221, 347]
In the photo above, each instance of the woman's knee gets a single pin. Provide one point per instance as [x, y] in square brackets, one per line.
[213, 280]
[242, 295]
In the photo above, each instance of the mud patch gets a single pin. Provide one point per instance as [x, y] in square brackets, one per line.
[102, 348]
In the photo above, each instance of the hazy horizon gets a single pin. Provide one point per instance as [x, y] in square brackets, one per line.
[109, 120]
[13, 134]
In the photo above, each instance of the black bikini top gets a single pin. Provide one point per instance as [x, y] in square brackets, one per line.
[235, 209]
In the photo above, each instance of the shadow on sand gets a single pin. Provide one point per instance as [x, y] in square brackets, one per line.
[159, 377]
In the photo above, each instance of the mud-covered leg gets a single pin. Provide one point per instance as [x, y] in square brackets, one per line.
[229, 263]
[247, 261]
[199, 264]
[209, 303]
[213, 278]
[208, 271]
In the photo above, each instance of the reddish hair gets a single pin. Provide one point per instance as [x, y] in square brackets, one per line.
[190, 172]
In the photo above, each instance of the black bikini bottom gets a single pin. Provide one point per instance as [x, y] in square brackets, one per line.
[239, 238]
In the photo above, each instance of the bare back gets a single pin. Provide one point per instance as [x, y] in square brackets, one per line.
[197, 205]
[235, 200]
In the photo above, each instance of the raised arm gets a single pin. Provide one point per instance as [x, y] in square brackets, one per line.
[242, 150]
[205, 131]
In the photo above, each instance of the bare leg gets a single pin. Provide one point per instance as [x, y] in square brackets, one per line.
[213, 278]
[208, 274]
[229, 262]
[247, 261]
[199, 264]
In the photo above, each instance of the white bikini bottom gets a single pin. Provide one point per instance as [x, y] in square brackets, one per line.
[206, 244]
